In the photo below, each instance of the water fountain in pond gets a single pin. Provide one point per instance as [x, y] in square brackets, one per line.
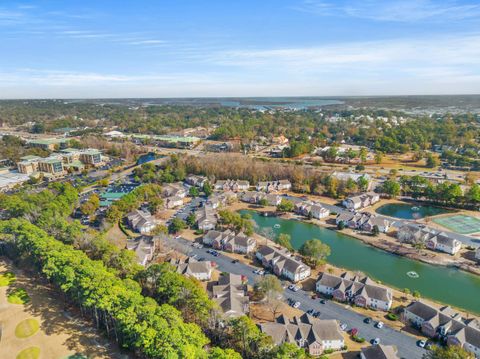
[413, 274]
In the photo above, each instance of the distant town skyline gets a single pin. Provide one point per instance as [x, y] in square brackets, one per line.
[214, 48]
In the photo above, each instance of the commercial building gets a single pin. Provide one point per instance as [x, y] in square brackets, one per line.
[49, 144]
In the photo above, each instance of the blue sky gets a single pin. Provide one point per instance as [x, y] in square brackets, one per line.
[183, 48]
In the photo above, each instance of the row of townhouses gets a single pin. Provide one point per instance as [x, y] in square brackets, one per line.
[218, 200]
[364, 221]
[283, 263]
[197, 181]
[314, 335]
[230, 294]
[431, 238]
[257, 197]
[206, 218]
[310, 208]
[272, 186]
[141, 221]
[232, 185]
[230, 241]
[200, 270]
[445, 324]
[143, 247]
[364, 292]
[361, 201]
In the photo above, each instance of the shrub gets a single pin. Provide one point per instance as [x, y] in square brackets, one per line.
[391, 316]
[358, 339]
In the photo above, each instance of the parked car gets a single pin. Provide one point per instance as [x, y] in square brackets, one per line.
[296, 305]
[367, 320]
[235, 261]
[379, 325]
[316, 314]
[323, 301]
[293, 288]
[422, 343]
[353, 331]
[376, 341]
[343, 326]
[310, 312]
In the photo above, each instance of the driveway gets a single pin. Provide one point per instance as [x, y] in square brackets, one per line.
[407, 347]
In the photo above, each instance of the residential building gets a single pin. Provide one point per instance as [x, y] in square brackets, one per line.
[345, 176]
[174, 190]
[197, 181]
[310, 208]
[431, 238]
[361, 201]
[218, 200]
[173, 202]
[144, 248]
[283, 263]
[271, 186]
[232, 185]
[315, 335]
[193, 268]
[231, 295]
[363, 220]
[256, 197]
[379, 352]
[364, 292]
[445, 324]
[141, 221]
[230, 242]
[477, 254]
[206, 218]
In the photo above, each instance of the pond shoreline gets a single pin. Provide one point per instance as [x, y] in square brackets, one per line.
[389, 246]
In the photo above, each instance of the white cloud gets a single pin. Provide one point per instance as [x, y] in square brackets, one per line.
[394, 10]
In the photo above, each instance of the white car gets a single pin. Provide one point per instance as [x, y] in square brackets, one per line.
[293, 288]
[379, 325]
[422, 343]
[376, 341]
[296, 305]
[343, 326]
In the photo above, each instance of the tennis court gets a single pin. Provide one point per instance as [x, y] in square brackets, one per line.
[459, 223]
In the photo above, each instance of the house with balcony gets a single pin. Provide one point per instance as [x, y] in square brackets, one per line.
[312, 334]
[361, 291]
[283, 263]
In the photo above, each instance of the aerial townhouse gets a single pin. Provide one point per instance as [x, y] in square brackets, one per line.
[445, 324]
[231, 295]
[230, 242]
[361, 201]
[283, 263]
[431, 238]
[363, 220]
[309, 208]
[232, 185]
[364, 292]
[271, 186]
[314, 335]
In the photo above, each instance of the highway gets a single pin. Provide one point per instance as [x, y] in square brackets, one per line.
[406, 344]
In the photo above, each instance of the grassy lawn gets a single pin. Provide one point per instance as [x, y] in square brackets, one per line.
[29, 353]
[18, 296]
[27, 328]
[6, 279]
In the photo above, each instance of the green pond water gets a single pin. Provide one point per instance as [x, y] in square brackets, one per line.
[410, 211]
[446, 285]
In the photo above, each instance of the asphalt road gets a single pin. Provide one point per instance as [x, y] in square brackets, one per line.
[407, 345]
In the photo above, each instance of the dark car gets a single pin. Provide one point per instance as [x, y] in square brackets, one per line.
[235, 261]
[367, 320]
[323, 301]
[316, 314]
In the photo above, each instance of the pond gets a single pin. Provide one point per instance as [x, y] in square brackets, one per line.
[410, 211]
[443, 284]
